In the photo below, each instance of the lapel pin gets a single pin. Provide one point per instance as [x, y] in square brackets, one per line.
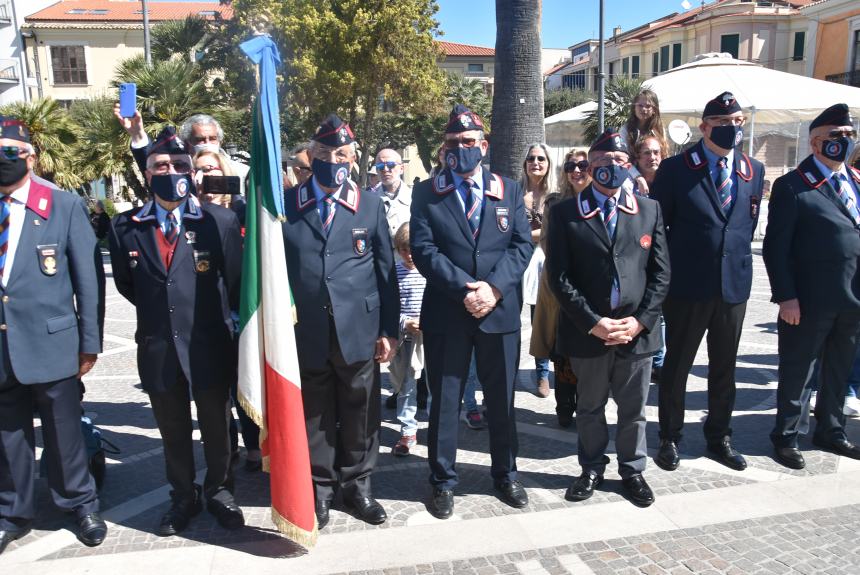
[191, 237]
[37, 223]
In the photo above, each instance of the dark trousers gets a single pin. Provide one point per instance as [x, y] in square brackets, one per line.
[686, 323]
[250, 430]
[59, 407]
[565, 388]
[833, 338]
[628, 378]
[341, 403]
[447, 358]
[172, 411]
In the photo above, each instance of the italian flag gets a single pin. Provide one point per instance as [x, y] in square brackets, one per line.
[269, 382]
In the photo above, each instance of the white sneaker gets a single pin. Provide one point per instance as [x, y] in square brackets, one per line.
[851, 407]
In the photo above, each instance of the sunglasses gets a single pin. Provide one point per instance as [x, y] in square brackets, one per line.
[570, 166]
[385, 165]
[457, 142]
[179, 166]
[536, 159]
[206, 169]
[840, 133]
[14, 152]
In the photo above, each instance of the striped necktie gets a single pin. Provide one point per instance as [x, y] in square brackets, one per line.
[327, 213]
[724, 185]
[5, 206]
[171, 230]
[610, 220]
[843, 190]
[472, 205]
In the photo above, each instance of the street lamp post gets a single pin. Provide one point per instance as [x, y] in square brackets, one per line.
[600, 75]
[146, 51]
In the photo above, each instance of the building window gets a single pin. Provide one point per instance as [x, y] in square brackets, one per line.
[611, 70]
[655, 63]
[799, 45]
[475, 68]
[69, 65]
[575, 81]
[676, 55]
[730, 43]
[664, 58]
[856, 66]
[634, 66]
[625, 67]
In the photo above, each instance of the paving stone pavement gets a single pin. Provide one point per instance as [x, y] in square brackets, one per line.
[821, 539]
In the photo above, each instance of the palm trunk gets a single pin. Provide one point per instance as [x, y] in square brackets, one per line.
[518, 93]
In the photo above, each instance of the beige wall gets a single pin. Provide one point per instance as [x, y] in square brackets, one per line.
[833, 42]
[103, 50]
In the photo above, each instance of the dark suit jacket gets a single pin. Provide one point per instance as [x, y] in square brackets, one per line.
[183, 314]
[446, 254]
[711, 254]
[580, 265]
[52, 308]
[812, 245]
[350, 273]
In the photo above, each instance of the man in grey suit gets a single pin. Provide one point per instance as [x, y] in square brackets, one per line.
[49, 338]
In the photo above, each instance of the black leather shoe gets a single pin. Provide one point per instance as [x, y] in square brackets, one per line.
[668, 457]
[790, 457]
[583, 486]
[228, 514]
[725, 454]
[638, 490]
[442, 506]
[513, 493]
[369, 510]
[180, 513]
[321, 508]
[91, 530]
[841, 447]
[9, 535]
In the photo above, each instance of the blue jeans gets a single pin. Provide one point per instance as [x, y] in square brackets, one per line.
[541, 363]
[657, 361]
[407, 405]
[469, 401]
[854, 378]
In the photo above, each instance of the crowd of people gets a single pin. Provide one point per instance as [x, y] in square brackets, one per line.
[626, 262]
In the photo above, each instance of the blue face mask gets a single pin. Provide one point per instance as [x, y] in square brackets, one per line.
[611, 176]
[172, 187]
[838, 149]
[727, 137]
[463, 160]
[330, 175]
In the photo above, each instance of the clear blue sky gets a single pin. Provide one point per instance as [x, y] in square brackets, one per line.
[565, 22]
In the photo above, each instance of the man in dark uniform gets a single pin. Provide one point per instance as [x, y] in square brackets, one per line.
[608, 266]
[50, 336]
[341, 266]
[710, 197]
[811, 252]
[471, 240]
[179, 263]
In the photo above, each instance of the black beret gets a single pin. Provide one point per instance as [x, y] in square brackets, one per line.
[462, 119]
[835, 115]
[609, 141]
[14, 129]
[334, 132]
[722, 105]
[167, 142]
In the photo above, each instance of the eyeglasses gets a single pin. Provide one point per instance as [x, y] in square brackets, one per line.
[380, 166]
[206, 169]
[839, 133]
[644, 106]
[14, 152]
[457, 142]
[540, 159]
[179, 166]
[727, 121]
[647, 152]
[570, 166]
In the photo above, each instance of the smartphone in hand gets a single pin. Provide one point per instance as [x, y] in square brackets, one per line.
[127, 100]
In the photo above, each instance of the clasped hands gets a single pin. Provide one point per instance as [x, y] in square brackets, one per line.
[482, 298]
[616, 331]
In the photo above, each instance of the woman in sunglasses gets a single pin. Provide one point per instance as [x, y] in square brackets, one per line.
[576, 176]
[537, 173]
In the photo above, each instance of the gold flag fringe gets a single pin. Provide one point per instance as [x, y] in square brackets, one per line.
[304, 538]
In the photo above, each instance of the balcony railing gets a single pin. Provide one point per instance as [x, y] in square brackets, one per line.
[5, 12]
[8, 71]
[851, 78]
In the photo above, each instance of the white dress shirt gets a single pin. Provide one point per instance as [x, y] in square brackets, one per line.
[17, 215]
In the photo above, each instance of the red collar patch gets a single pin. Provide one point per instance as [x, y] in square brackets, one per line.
[40, 199]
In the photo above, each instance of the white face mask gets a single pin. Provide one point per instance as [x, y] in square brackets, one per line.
[207, 148]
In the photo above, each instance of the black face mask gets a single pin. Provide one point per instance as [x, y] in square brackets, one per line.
[12, 171]
[172, 187]
[727, 137]
[838, 149]
[330, 175]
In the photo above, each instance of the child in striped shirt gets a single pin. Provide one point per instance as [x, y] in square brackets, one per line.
[409, 360]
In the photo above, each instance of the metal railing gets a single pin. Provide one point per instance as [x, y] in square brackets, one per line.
[850, 78]
[9, 72]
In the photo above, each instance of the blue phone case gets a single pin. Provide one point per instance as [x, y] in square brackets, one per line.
[127, 100]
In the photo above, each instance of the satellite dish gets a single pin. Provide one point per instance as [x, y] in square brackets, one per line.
[679, 132]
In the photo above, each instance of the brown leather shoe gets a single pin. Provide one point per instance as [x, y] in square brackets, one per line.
[542, 388]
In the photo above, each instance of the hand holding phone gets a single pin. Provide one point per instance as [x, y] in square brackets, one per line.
[127, 99]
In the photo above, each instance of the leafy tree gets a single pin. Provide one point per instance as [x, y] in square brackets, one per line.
[617, 96]
[518, 95]
[471, 93]
[557, 101]
[184, 37]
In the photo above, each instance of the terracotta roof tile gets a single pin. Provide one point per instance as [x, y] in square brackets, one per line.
[125, 11]
[454, 49]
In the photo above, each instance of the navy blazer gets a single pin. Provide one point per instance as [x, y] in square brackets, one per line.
[183, 313]
[51, 304]
[581, 262]
[349, 274]
[812, 244]
[449, 257]
[710, 252]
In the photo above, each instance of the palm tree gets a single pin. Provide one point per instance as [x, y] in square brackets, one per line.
[618, 95]
[518, 94]
[53, 135]
[183, 37]
[471, 93]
